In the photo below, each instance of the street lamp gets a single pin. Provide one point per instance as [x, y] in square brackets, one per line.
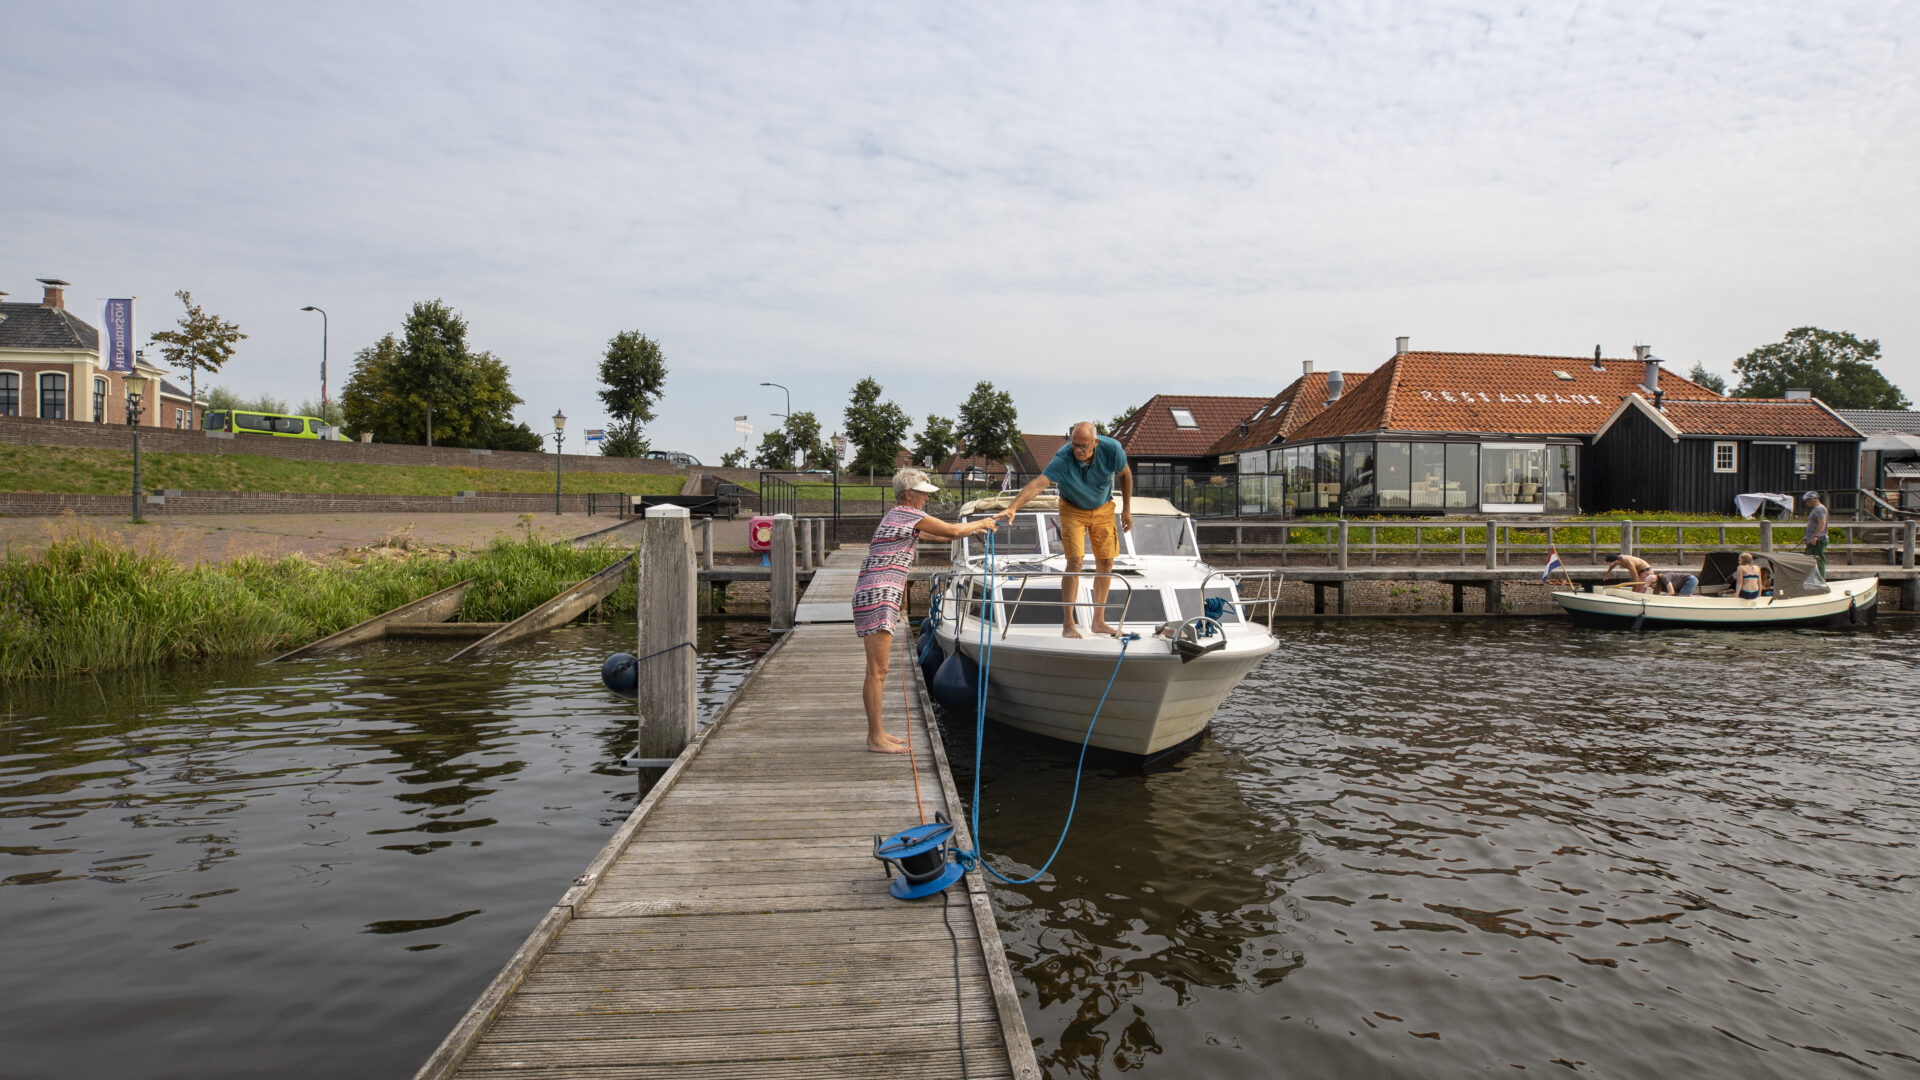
[787, 392]
[136, 384]
[559, 433]
[323, 359]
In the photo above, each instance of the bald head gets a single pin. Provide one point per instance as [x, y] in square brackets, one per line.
[1082, 430]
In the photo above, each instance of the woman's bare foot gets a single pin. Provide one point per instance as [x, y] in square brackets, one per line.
[887, 744]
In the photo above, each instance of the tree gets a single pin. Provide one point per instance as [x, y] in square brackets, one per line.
[396, 380]
[774, 452]
[803, 441]
[734, 458]
[204, 342]
[222, 399]
[936, 442]
[989, 426]
[330, 412]
[623, 439]
[1113, 425]
[1835, 365]
[1701, 376]
[878, 428]
[631, 375]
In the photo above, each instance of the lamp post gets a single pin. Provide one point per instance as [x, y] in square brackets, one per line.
[323, 359]
[559, 433]
[136, 384]
[785, 391]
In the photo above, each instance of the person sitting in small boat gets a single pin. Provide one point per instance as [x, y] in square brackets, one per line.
[1643, 573]
[880, 592]
[1679, 583]
[1746, 580]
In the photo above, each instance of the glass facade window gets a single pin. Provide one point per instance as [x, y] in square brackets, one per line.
[1326, 476]
[53, 396]
[99, 401]
[1518, 475]
[1392, 470]
[1559, 488]
[1358, 477]
[1429, 474]
[1463, 475]
[1153, 479]
[9, 394]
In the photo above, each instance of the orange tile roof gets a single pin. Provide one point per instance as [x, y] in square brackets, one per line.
[1490, 393]
[1284, 413]
[1040, 450]
[1803, 418]
[1150, 430]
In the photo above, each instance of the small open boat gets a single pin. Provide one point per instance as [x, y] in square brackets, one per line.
[1797, 597]
[1197, 631]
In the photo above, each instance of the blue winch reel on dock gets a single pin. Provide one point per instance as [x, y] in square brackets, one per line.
[923, 857]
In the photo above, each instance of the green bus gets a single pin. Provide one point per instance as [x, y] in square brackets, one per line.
[259, 423]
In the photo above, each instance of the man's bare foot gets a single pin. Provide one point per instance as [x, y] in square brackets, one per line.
[1070, 630]
[887, 744]
[1101, 627]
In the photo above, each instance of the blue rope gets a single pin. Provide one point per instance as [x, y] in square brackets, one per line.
[970, 859]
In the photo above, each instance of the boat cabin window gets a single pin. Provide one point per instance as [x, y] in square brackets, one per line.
[1041, 606]
[1054, 546]
[1192, 603]
[1022, 537]
[1158, 535]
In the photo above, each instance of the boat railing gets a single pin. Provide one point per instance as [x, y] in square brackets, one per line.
[1266, 596]
[968, 596]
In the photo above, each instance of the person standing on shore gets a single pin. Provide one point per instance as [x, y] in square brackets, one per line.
[879, 595]
[1084, 470]
[1816, 535]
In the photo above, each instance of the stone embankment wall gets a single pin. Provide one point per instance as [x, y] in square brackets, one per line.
[159, 504]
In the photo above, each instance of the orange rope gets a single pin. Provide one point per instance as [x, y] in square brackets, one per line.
[906, 700]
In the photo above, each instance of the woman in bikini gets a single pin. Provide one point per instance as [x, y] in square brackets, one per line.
[1746, 580]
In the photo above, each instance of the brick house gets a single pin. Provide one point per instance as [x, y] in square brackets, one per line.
[50, 369]
[1167, 439]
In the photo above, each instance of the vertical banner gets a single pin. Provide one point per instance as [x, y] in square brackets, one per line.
[117, 346]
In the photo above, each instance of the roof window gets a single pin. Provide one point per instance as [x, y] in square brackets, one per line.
[1183, 418]
[1562, 375]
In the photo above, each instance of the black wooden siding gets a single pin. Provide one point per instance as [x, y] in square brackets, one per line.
[1637, 466]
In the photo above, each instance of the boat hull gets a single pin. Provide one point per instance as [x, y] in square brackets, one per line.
[1848, 603]
[1156, 702]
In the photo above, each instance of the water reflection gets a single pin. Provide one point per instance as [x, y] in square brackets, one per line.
[1421, 850]
[309, 868]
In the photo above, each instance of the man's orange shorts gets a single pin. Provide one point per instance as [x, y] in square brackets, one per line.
[1096, 525]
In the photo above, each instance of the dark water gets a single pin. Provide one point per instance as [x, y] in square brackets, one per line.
[1434, 850]
[305, 870]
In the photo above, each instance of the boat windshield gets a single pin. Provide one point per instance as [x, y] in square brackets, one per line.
[1158, 535]
[1192, 603]
[1021, 537]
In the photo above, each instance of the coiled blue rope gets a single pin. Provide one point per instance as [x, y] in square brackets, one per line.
[970, 859]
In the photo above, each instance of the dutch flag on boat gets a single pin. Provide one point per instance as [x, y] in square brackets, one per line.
[1553, 563]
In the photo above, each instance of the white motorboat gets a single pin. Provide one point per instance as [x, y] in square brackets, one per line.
[1200, 631]
[1796, 596]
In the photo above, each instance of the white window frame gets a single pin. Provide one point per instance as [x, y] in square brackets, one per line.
[179, 418]
[1189, 424]
[1733, 457]
[1799, 449]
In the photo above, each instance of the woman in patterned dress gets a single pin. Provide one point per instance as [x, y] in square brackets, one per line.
[881, 591]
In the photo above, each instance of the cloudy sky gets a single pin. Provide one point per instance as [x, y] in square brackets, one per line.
[1084, 204]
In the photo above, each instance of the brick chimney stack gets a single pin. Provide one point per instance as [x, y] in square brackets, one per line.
[56, 296]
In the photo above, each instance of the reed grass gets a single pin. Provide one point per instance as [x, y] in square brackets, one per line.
[91, 605]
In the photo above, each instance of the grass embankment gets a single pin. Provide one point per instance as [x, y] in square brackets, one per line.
[91, 471]
[89, 605]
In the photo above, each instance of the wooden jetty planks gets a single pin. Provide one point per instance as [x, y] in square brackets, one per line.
[569, 605]
[432, 608]
[738, 926]
[829, 596]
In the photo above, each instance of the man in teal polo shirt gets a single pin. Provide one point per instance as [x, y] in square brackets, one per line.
[1084, 471]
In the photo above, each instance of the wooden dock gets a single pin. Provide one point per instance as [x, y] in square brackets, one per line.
[737, 924]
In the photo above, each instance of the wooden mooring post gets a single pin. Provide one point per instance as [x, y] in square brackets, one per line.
[806, 542]
[666, 707]
[784, 594]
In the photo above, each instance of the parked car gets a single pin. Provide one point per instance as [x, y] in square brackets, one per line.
[678, 457]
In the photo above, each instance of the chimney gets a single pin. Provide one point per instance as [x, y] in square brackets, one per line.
[1400, 346]
[1335, 383]
[1652, 378]
[56, 296]
[1306, 367]
[1797, 394]
[1597, 365]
